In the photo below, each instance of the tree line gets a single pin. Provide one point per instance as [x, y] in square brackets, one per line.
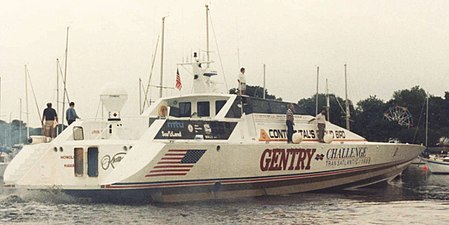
[402, 118]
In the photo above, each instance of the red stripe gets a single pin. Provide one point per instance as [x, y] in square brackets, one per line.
[253, 180]
[170, 170]
[171, 154]
[165, 174]
[174, 166]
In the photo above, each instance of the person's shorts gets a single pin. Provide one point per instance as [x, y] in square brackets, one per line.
[49, 124]
[243, 87]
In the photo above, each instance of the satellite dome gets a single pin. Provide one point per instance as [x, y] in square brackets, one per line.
[113, 96]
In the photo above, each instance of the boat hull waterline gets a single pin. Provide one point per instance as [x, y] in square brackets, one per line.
[226, 171]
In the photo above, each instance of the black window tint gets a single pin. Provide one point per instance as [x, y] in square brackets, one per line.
[218, 105]
[235, 111]
[203, 109]
[185, 109]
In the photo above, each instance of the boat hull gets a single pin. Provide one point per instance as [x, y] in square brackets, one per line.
[234, 188]
[437, 166]
[180, 171]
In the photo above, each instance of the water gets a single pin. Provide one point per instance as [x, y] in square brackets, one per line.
[418, 197]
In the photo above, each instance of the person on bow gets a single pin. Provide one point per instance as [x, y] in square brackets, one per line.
[242, 82]
[49, 122]
[321, 123]
[71, 114]
[289, 122]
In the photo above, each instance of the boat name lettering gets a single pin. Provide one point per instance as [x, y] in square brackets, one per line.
[348, 161]
[282, 133]
[171, 133]
[286, 159]
[69, 165]
[340, 153]
[175, 124]
[66, 156]
[107, 160]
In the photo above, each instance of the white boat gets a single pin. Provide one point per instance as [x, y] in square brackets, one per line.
[202, 146]
[199, 147]
[437, 164]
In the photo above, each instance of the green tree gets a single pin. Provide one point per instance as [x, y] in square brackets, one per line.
[255, 91]
[336, 111]
[370, 122]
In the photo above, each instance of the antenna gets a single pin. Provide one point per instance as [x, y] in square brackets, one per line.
[316, 96]
[162, 58]
[347, 102]
[207, 35]
[327, 101]
[65, 75]
[264, 81]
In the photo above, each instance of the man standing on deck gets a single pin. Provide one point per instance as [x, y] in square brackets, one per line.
[290, 122]
[321, 122]
[71, 113]
[51, 120]
[242, 82]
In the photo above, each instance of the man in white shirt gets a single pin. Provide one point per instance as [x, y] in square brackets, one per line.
[321, 123]
[242, 81]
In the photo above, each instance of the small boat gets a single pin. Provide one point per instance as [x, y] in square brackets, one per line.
[437, 163]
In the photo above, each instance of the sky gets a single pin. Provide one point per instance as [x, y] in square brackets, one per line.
[388, 45]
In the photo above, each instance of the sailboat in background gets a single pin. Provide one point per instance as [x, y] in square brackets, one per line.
[436, 163]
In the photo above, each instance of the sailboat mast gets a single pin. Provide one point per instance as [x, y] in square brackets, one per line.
[347, 101]
[57, 85]
[207, 34]
[26, 101]
[162, 58]
[65, 75]
[264, 76]
[427, 118]
[316, 96]
[20, 119]
[140, 96]
[328, 106]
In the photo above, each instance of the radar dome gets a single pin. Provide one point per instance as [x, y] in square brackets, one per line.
[113, 96]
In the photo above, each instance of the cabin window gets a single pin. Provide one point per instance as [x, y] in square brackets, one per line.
[203, 109]
[185, 109]
[235, 111]
[92, 162]
[78, 134]
[151, 121]
[218, 105]
[79, 162]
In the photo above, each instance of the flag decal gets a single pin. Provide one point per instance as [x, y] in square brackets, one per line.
[176, 163]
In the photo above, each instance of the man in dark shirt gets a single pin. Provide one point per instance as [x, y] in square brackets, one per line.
[290, 122]
[71, 113]
[51, 120]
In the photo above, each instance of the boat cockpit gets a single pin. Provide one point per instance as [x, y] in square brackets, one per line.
[218, 107]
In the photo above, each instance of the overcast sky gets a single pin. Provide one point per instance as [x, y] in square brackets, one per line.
[388, 45]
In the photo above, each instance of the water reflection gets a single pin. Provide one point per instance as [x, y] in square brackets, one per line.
[417, 197]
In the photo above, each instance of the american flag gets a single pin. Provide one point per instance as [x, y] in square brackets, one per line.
[176, 163]
[178, 80]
